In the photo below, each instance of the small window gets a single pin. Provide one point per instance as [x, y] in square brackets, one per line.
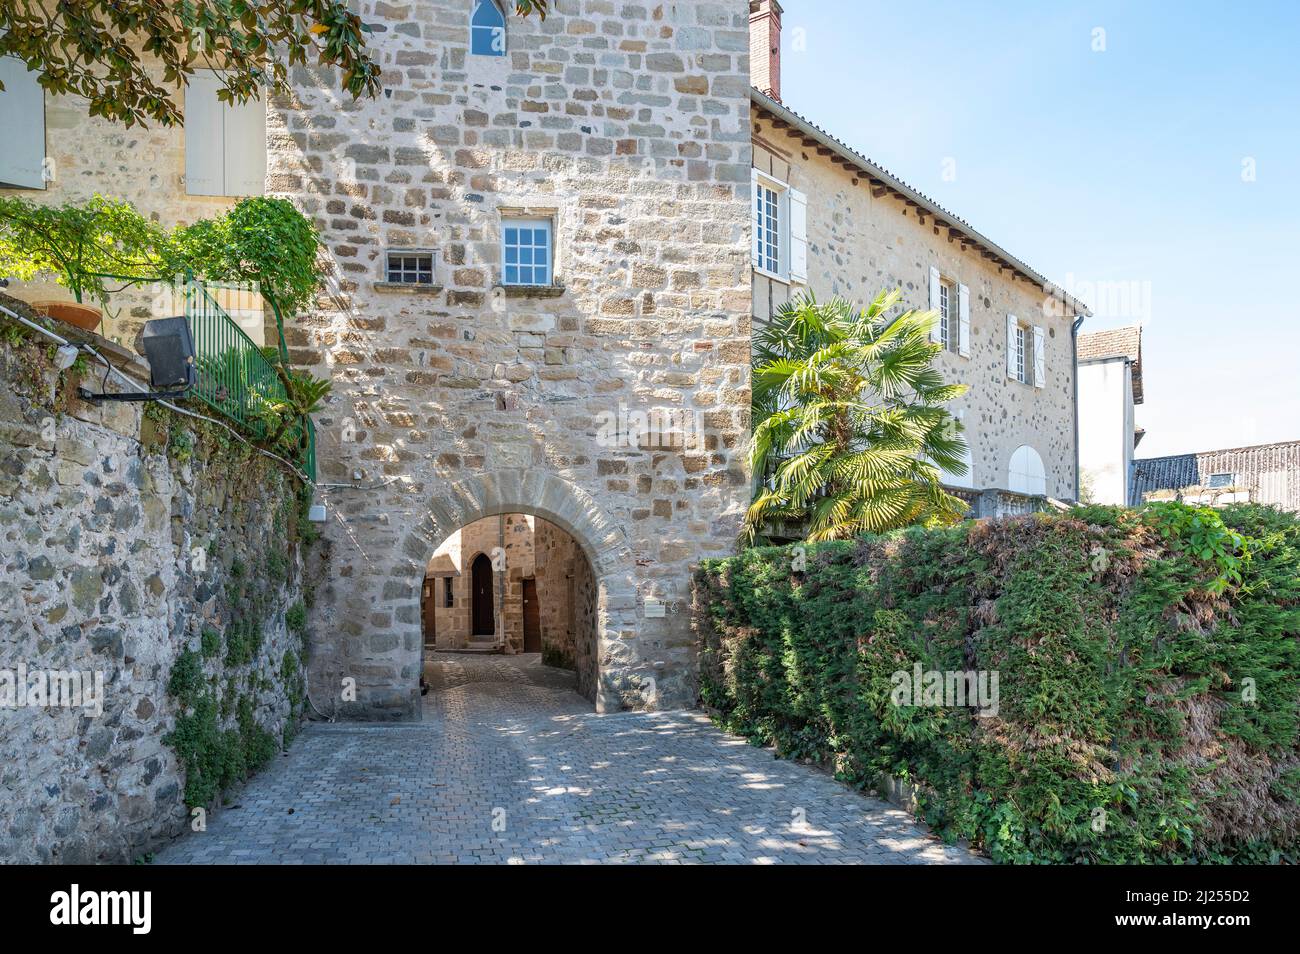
[1222, 480]
[526, 252]
[410, 267]
[448, 600]
[487, 29]
[767, 227]
[948, 316]
[1021, 356]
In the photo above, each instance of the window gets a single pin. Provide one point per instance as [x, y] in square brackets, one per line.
[1021, 374]
[22, 117]
[767, 228]
[951, 301]
[1222, 480]
[225, 144]
[1026, 355]
[1026, 474]
[487, 29]
[410, 267]
[526, 252]
[448, 600]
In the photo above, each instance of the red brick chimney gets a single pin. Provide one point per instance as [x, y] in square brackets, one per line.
[765, 46]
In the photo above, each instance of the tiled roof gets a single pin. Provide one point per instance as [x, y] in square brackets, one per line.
[1271, 471]
[891, 181]
[1116, 343]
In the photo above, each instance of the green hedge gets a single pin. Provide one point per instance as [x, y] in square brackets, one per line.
[1148, 667]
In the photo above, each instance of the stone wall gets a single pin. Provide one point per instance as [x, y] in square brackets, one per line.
[126, 539]
[861, 243]
[627, 126]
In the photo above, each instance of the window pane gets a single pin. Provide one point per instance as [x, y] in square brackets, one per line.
[525, 275]
[512, 255]
[512, 236]
[526, 256]
[512, 275]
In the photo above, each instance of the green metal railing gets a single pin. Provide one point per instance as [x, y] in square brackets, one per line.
[237, 379]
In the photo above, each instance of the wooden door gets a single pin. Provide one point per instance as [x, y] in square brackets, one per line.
[483, 612]
[430, 602]
[532, 618]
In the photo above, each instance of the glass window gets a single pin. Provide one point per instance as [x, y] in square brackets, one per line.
[1021, 374]
[487, 29]
[1222, 480]
[767, 228]
[410, 267]
[526, 252]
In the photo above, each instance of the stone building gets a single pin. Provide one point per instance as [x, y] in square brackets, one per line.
[1110, 386]
[56, 152]
[533, 244]
[829, 221]
[512, 582]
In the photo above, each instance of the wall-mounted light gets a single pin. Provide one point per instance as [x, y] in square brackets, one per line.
[169, 349]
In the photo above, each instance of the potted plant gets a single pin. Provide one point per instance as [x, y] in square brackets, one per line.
[82, 246]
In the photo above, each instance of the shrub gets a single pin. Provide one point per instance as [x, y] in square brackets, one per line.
[1148, 664]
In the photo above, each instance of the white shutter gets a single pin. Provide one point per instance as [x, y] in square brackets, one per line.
[22, 120]
[963, 312]
[245, 148]
[798, 237]
[204, 136]
[935, 293]
[753, 215]
[1040, 358]
[1011, 346]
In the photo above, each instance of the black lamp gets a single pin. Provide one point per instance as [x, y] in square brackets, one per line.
[169, 348]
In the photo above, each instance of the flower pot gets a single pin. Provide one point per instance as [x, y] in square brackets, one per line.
[74, 313]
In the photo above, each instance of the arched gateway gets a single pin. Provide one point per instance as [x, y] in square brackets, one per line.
[552, 498]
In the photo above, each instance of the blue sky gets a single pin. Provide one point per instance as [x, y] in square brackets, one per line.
[1125, 166]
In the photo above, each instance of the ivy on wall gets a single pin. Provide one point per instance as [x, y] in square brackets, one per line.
[1148, 671]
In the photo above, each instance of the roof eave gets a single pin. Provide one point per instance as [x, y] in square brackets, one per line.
[763, 101]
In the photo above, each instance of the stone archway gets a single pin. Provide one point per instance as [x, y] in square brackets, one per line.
[573, 510]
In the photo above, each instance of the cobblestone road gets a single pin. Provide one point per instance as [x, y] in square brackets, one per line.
[510, 765]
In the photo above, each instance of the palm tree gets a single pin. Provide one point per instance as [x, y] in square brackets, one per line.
[850, 429]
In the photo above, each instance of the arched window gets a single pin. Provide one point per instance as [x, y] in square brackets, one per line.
[487, 29]
[1026, 474]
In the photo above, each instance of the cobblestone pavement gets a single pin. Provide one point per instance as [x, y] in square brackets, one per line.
[510, 765]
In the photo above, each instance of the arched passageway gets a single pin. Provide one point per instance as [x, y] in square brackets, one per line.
[513, 584]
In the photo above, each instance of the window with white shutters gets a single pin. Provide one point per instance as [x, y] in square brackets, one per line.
[225, 144]
[22, 117]
[780, 224]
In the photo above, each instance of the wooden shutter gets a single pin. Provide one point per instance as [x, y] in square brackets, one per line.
[935, 333]
[204, 136]
[1040, 358]
[22, 117]
[963, 313]
[245, 147]
[798, 237]
[1011, 346]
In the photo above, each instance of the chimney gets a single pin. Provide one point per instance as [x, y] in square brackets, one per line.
[765, 46]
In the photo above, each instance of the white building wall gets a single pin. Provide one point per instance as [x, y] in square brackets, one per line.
[1106, 429]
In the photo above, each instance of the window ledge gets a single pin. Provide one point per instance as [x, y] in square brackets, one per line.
[783, 279]
[406, 288]
[531, 291]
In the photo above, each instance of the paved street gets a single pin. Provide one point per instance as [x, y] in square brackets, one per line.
[510, 765]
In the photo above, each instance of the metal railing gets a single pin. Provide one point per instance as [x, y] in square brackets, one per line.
[237, 379]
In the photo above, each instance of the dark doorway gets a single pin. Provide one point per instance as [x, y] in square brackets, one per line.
[532, 618]
[429, 600]
[484, 615]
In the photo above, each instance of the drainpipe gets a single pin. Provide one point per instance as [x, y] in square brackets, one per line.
[1074, 351]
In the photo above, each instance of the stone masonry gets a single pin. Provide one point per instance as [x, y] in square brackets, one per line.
[121, 542]
[625, 125]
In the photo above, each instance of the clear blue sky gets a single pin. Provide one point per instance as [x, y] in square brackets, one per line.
[1120, 166]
